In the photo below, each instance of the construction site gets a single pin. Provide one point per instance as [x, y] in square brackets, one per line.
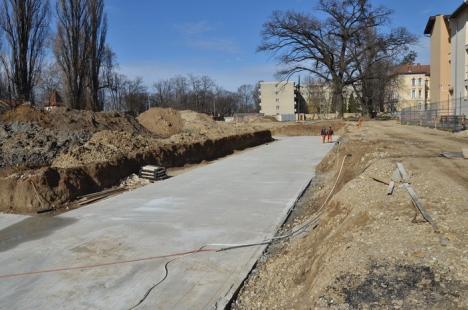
[379, 223]
[233, 155]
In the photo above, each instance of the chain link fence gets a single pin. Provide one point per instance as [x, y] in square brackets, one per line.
[447, 115]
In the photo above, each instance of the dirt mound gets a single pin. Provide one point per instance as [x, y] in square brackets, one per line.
[102, 147]
[162, 122]
[197, 122]
[71, 120]
[32, 138]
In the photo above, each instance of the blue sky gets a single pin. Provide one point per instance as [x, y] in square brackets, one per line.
[156, 39]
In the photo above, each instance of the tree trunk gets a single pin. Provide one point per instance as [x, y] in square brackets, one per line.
[338, 99]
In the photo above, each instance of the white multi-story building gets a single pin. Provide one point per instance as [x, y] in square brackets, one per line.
[278, 99]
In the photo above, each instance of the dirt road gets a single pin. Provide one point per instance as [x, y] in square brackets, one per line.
[372, 250]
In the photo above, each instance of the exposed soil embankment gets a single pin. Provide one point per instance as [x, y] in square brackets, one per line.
[371, 250]
[54, 186]
[48, 159]
[305, 129]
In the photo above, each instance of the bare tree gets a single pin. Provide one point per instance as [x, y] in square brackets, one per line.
[164, 93]
[246, 100]
[96, 50]
[315, 93]
[71, 49]
[256, 96]
[117, 85]
[25, 24]
[198, 93]
[375, 56]
[49, 81]
[321, 45]
[136, 96]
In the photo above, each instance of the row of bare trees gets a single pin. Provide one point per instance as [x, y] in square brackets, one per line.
[197, 93]
[79, 47]
[82, 67]
[346, 43]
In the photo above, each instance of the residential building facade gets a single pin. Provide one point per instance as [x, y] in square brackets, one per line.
[278, 99]
[438, 29]
[459, 51]
[413, 86]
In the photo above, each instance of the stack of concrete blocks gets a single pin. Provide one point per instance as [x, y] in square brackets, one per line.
[153, 173]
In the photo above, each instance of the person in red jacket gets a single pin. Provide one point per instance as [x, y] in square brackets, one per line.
[323, 133]
[330, 135]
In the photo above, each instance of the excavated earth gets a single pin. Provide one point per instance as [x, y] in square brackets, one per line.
[48, 159]
[371, 250]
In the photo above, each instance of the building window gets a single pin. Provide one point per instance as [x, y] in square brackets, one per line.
[413, 82]
[277, 99]
[413, 94]
[420, 94]
[277, 107]
[420, 82]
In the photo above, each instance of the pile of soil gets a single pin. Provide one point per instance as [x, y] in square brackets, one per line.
[32, 138]
[161, 122]
[48, 159]
[104, 146]
[371, 250]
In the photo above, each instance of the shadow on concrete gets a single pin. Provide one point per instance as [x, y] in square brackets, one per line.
[32, 228]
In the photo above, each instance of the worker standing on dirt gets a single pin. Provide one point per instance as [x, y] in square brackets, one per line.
[323, 133]
[330, 135]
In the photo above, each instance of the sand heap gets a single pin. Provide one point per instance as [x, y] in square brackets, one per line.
[161, 122]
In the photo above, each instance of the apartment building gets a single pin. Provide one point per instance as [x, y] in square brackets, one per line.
[459, 51]
[438, 29]
[413, 86]
[278, 99]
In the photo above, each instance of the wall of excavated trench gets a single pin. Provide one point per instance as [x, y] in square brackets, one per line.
[53, 187]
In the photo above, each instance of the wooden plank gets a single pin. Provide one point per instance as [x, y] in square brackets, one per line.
[391, 187]
[396, 177]
[419, 206]
[403, 173]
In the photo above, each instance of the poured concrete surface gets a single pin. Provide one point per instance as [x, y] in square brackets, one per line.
[242, 198]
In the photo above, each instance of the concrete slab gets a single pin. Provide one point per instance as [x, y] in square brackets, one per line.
[243, 198]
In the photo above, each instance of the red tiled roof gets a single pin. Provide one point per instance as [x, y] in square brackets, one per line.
[414, 69]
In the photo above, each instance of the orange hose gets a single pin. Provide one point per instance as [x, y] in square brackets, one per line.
[14, 275]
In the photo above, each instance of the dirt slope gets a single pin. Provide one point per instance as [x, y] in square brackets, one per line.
[48, 159]
[367, 251]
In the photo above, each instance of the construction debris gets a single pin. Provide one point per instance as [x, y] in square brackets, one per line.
[414, 197]
[391, 187]
[90, 198]
[452, 155]
[404, 175]
[153, 173]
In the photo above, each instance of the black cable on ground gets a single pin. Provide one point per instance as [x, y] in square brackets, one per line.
[166, 270]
